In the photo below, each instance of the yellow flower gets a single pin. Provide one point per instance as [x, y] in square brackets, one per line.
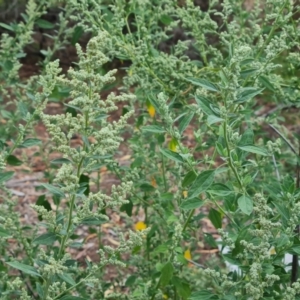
[151, 110]
[184, 193]
[140, 226]
[173, 145]
[187, 254]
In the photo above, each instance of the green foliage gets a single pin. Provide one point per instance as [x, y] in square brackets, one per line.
[204, 126]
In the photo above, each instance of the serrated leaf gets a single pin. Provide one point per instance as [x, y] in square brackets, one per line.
[188, 178]
[44, 24]
[13, 161]
[5, 176]
[245, 204]
[153, 128]
[215, 217]
[204, 104]
[24, 268]
[185, 121]
[254, 149]
[211, 119]
[52, 189]
[204, 83]
[45, 239]
[191, 203]
[247, 93]
[171, 155]
[166, 274]
[30, 142]
[201, 183]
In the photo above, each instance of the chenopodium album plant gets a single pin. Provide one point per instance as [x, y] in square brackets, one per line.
[233, 168]
[253, 57]
[53, 274]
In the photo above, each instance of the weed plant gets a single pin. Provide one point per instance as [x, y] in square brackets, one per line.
[210, 137]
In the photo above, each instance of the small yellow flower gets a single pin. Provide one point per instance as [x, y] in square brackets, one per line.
[151, 110]
[140, 226]
[187, 254]
[184, 193]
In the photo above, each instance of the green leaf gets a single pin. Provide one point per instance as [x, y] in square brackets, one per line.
[213, 119]
[188, 178]
[77, 33]
[45, 239]
[130, 280]
[127, 207]
[254, 149]
[215, 217]
[5, 176]
[6, 26]
[171, 155]
[185, 121]
[93, 221]
[153, 129]
[201, 183]
[70, 297]
[44, 24]
[203, 295]
[164, 248]
[220, 189]
[247, 93]
[203, 83]
[84, 182]
[8, 65]
[204, 104]
[30, 142]
[182, 287]
[60, 161]
[67, 278]
[266, 83]
[13, 161]
[166, 274]
[52, 189]
[166, 20]
[191, 203]
[24, 268]
[245, 204]
[4, 233]
[247, 138]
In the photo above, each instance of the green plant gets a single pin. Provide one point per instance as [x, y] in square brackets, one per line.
[200, 147]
